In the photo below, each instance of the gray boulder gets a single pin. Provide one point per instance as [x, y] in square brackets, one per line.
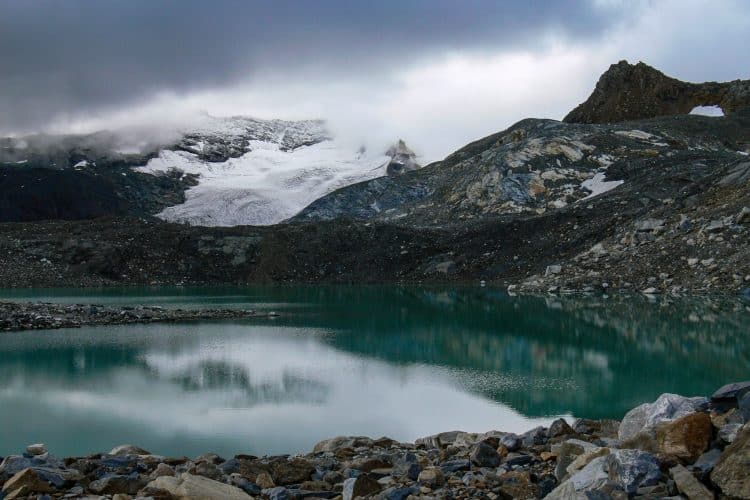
[633, 469]
[666, 408]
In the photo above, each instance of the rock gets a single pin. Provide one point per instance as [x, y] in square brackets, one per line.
[706, 463]
[484, 455]
[633, 469]
[439, 441]
[667, 407]
[584, 459]
[731, 472]
[207, 469]
[459, 465]
[293, 471]
[685, 438]
[589, 478]
[341, 442]
[744, 407]
[109, 485]
[559, 428]
[244, 484]
[360, 486]
[204, 488]
[536, 436]
[688, 485]
[277, 493]
[729, 432]
[567, 452]
[650, 291]
[26, 482]
[162, 470]
[402, 493]
[36, 449]
[552, 270]
[511, 442]
[128, 449]
[265, 481]
[649, 225]
[638, 91]
[432, 477]
[730, 395]
[402, 158]
[518, 484]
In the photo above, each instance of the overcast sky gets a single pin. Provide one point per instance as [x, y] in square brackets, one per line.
[437, 73]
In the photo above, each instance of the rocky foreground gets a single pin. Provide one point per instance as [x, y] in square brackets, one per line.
[16, 316]
[675, 447]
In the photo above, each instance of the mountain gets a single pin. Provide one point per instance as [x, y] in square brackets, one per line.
[656, 205]
[220, 172]
[637, 91]
[536, 167]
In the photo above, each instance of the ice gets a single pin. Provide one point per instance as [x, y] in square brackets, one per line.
[265, 185]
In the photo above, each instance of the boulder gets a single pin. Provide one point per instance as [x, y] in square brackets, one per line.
[294, 471]
[633, 469]
[511, 442]
[589, 478]
[204, 488]
[109, 485]
[667, 407]
[360, 486]
[484, 455]
[688, 485]
[432, 477]
[559, 428]
[732, 472]
[685, 438]
[36, 449]
[706, 463]
[342, 442]
[25, 483]
[128, 449]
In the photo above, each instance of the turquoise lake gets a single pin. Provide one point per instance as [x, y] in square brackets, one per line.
[403, 362]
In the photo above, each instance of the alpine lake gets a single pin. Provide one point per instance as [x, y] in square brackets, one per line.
[397, 361]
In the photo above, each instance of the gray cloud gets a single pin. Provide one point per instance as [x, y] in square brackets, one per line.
[73, 57]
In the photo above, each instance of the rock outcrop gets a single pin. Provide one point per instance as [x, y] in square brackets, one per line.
[402, 158]
[635, 92]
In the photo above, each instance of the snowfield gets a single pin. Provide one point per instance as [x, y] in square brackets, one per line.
[287, 166]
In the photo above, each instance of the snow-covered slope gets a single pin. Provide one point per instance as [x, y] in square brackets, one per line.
[259, 172]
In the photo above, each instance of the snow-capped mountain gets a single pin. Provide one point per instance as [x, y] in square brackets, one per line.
[259, 172]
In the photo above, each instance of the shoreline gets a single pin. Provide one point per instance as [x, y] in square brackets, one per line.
[24, 316]
[697, 447]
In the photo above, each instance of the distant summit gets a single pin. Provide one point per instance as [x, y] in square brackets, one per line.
[403, 159]
[635, 92]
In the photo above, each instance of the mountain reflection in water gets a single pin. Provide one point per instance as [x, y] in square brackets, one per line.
[397, 361]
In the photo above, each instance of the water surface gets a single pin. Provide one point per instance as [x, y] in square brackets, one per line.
[398, 361]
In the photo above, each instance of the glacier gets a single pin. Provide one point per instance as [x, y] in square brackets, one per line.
[259, 172]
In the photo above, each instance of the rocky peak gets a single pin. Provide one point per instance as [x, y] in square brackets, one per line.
[403, 159]
[638, 91]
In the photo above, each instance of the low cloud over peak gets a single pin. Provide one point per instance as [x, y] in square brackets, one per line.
[391, 68]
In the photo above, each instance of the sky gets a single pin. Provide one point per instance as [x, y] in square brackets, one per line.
[437, 73]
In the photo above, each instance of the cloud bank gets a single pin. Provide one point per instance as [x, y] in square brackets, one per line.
[438, 73]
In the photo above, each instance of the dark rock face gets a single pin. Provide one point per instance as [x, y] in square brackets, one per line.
[403, 159]
[635, 92]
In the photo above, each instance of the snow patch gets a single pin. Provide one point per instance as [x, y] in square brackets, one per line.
[597, 185]
[635, 134]
[707, 111]
[81, 164]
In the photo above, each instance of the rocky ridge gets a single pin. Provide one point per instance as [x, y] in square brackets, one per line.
[675, 447]
[638, 91]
